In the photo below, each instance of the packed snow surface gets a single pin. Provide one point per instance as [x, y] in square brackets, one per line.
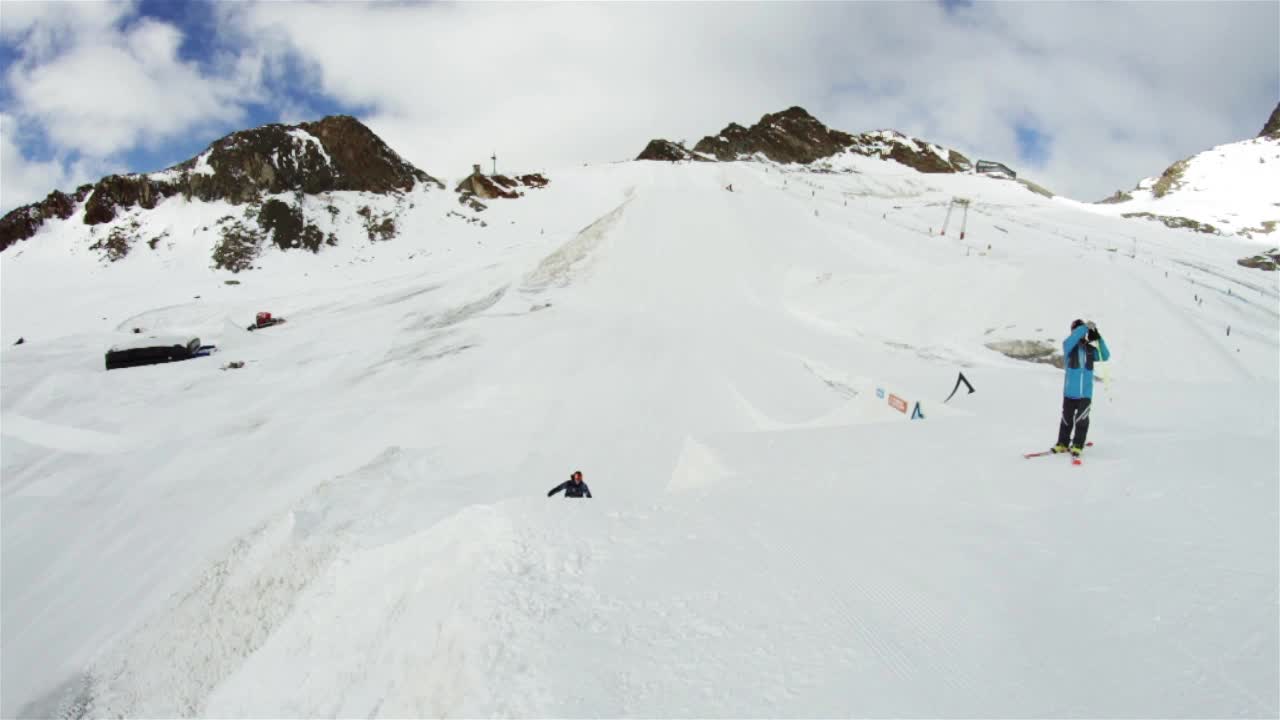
[355, 522]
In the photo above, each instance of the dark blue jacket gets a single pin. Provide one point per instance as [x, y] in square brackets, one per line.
[1078, 357]
[571, 489]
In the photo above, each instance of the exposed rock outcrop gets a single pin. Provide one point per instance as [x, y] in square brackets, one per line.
[790, 136]
[795, 136]
[669, 151]
[336, 153]
[332, 154]
[1272, 128]
[1036, 351]
[1267, 260]
[125, 191]
[1119, 196]
[23, 222]
[1178, 223]
[487, 187]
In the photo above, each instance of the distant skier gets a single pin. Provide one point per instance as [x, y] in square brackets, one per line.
[1079, 356]
[574, 487]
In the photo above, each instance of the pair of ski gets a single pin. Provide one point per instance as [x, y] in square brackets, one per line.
[1075, 459]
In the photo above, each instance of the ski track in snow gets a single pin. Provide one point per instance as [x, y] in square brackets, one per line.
[354, 524]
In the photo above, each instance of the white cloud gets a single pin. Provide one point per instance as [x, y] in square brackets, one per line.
[120, 89]
[42, 29]
[541, 84]
[92, 81]
[25, 181]
[1122, 89]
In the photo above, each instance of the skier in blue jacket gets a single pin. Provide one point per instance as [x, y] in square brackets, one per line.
[574, 487]
[1079, 355]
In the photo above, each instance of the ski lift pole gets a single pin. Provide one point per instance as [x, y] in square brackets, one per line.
[964, 219]
[947, 220]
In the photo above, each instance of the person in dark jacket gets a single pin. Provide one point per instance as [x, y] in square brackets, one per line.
[1078, 356]
[574, 487]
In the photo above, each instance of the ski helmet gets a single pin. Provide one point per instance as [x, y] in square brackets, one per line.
[1076, 323]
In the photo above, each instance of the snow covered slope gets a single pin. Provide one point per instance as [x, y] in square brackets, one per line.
[354, 523]
[1232, 188]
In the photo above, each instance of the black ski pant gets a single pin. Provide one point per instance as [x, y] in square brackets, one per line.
[1075, 420]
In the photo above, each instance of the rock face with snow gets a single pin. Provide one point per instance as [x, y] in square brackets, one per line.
[790, 136]
[795, 136]
[488, 187]
[1228, 189]
[666, 150]
[924, 156]
[23, 222]
[1268, 260]
[337, 153]
[1272, 128]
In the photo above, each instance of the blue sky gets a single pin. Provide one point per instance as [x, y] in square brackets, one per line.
[1034, 145]
[1084, 98]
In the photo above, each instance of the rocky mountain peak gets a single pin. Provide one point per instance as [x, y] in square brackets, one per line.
[790, 136]
[332, 154]
[335, 153]
[1272, 128]
[796, 136]
[660, 149]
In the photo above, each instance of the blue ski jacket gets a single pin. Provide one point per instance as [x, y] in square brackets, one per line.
[1079, 356]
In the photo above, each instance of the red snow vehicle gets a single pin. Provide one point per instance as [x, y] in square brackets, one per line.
[263, 320]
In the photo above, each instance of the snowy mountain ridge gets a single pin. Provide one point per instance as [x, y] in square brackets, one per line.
[1231, 188]
[297, 187]
[255, 170]
[280, 188]
[795, 136]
